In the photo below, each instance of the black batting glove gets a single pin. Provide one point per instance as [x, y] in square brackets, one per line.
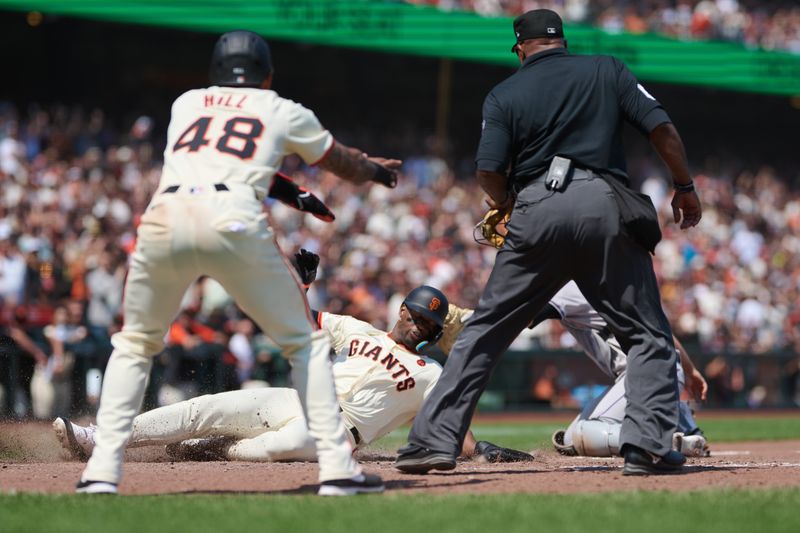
[384, 176]
[306, 264]
[284, 189]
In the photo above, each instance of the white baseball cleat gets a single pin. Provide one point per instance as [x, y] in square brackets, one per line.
[360, 484]
[96, 487]
[77, 440]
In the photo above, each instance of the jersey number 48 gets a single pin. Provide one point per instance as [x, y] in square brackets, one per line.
[238, 139]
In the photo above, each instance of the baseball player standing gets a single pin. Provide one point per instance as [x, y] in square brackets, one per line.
[224, 144]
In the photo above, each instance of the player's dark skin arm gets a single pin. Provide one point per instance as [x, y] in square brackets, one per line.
[496, 187]
[353, 165]
[667, 142]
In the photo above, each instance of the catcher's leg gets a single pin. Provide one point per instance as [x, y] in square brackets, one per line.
[624, 291]
[264, 286]
[152, 294]
[595, 432]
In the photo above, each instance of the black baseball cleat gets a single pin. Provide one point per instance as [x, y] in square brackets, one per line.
[360, 484]
[95, 487]
[639, 462]
[413, 459]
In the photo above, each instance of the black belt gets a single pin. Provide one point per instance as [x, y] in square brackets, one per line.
[175, 188]
[577, 174]
[356, 435]
[353, 431]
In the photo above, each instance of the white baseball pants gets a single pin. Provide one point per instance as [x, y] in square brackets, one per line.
[268, 424]
[225, 235]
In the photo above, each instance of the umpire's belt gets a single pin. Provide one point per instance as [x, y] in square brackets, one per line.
[193, 189]
[577, 174]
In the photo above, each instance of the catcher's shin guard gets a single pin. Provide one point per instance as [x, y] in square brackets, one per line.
[595, 438]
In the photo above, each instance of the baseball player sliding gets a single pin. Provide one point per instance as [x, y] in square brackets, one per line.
[224, 144]
[595, 431]
[381, 381]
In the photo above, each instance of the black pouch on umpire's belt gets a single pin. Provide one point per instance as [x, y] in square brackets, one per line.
[637, 213]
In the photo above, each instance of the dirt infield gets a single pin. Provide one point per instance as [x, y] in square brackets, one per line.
[34, 462]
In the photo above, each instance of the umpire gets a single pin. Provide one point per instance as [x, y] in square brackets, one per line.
[551, 149]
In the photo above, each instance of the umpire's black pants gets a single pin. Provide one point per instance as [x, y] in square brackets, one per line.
[554, 237]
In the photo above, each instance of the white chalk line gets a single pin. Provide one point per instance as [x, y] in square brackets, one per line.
[722, 453]
[693, 466]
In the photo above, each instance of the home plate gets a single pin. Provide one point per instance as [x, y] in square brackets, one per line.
[715, 453]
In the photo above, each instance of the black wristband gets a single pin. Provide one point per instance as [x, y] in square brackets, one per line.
[384, 176]
[681, 188]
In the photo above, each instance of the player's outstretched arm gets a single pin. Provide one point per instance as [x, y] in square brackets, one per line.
[453, 324]
[695, 382]
[353, 165]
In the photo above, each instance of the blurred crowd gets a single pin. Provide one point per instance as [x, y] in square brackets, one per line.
[73, 188]
[754, 23]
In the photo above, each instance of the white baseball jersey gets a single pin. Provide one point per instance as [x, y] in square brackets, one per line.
[380, 384]
[585, 325]
[238, 136]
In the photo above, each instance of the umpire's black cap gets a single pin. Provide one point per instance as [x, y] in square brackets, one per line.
[537, 23]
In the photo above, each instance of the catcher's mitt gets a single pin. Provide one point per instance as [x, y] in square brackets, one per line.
[492, 230]
[492, 453]
[453, 324]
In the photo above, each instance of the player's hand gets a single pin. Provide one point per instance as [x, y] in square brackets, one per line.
[504, 206]
[453, 325]
[688, 205]
[386, 171]
[306, 264]
[696, 385]
[492, 453]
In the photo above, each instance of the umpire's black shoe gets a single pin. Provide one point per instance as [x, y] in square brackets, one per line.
[361, 484]
[639, 462]
[413, 459]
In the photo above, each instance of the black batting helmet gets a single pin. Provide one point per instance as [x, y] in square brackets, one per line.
[430, 303]
[240, 58]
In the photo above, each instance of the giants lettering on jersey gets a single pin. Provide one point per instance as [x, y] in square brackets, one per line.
[390, 362]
